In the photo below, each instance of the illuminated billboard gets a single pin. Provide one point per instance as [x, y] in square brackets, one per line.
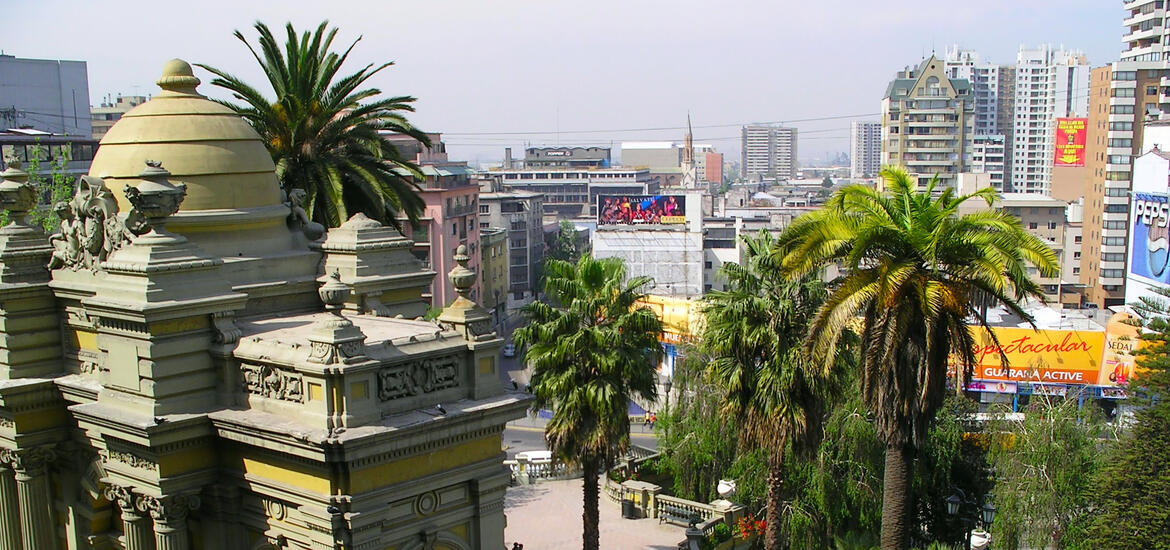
[1071, 136]
[1150, 238]
[641, 209]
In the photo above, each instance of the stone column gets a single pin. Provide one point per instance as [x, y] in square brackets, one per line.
[135, 524]
[170, 519]
[9, 515]
[221, 518]
[37, 528]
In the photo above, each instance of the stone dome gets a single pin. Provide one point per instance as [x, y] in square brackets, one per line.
[201, 143]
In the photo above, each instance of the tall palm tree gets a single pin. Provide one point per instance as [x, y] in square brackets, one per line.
[325, 134]
[755, 331]
[914, 266]
[592, 348]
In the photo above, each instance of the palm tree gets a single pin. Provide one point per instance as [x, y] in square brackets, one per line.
[914, 268]
[323, 136]
[592, 348]
[755, 332]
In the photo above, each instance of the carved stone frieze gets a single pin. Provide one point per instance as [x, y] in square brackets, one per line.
[31, 461]
[90, 227]
[418, 377]
[272, 383]
[129, 458]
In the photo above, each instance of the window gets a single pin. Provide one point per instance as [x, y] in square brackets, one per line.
[485, 209]
[1123, 92]
[1077, 240]
[1117, 208]
[454, 228]
[1116, 191]
[1113, 273]
[1113, 257]
[1032, 225]
[1117, 159]
[707, 264]
[1121, 142]
[1113, 224]
[1121, 109]
[1076, 255]
[1113, 241]
[1125, 75]
[1151, 90]
[1051, 225]
[1121, 126]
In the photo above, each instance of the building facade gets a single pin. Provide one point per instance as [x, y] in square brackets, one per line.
[493, 243]
[768, 152]
[225, 376]
[69, 155]
[988, 154]
[521, 214]
[566, 157]
[928, 123]
[985, 86]
[1049, 84]
[865, 148]
[105, 115]
[572, 193]
[44, 94]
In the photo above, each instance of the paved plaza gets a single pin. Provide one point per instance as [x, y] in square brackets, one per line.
[547, 516]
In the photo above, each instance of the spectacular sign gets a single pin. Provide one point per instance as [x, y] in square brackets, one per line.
[1071, 136]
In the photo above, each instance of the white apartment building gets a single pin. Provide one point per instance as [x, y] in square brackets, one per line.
[987, 156]
[865, 147]
[769, 151]
[985, 86]
[1050, 84]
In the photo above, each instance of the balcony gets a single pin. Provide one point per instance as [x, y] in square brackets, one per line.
[1123, 101]
[1142, 35]
[460, 210]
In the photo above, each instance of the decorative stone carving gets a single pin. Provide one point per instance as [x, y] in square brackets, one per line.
[274, 509]
[225, 329]
[418, 377]
[31, 461]
[335, 339]
[272, 383]
[130, 459]
[170, 508]
[90, 227]
[124, 497]
[7, 423]
[298, 219]
[426, 503]
[154, 198]
[17, 195]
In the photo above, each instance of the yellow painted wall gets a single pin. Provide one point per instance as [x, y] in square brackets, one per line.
[437, 461]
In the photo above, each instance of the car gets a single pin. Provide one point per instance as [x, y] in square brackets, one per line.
[509, 350]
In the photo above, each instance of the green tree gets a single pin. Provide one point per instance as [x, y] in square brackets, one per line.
[827, 182]
[592, 347]
[754, 332]
[55, 187]
[326, 134]
[563, 243]
[913, 266]
[1133, 488]
[1044, 462]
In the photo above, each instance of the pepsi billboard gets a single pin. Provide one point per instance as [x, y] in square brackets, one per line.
[1150, 237]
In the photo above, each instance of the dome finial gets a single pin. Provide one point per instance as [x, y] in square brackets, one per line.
[177, 76]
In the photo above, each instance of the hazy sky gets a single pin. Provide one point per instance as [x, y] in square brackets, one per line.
[495, 66]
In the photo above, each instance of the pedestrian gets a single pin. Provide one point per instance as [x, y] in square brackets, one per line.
[653, 419]
[646, 420]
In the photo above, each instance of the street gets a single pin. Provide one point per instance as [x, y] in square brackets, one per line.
[527, 434]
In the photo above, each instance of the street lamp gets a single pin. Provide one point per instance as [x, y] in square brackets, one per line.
[974, 515]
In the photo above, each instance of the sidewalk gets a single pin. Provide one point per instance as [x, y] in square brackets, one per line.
[547, 516]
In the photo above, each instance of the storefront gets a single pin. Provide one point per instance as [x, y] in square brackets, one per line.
[1081, 364]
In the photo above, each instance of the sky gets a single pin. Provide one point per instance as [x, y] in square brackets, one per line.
[495, 73]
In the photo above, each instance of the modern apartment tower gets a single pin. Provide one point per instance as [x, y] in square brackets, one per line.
[769, 152]
[985, 86]
[865, 149]
[928, 122]
[1123, 96]
[1049, 84]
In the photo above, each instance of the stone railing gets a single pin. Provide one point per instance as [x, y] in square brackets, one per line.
[527, 471]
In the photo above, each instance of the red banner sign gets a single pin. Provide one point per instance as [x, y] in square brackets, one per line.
[1071, 136]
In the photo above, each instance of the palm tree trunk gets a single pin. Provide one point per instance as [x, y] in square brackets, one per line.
[775, 502]
[896, 497]
[589, 518]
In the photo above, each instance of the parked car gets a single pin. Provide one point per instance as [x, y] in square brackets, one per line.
[509, 350]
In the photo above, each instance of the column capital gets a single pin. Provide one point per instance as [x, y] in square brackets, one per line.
[122, 496]
[29, 462]
[169, 508]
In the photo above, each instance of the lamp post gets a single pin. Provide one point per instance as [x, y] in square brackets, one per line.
[971, 514]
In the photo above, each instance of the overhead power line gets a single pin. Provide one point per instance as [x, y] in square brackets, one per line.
[655, 129]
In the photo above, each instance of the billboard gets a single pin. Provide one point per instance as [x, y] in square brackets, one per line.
[1071, 136]
[1150, 237]
[641, 209]
[1054, 356]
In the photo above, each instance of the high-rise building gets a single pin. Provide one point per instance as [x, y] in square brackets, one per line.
[865, 147]
[987, 157]
[985, 81]
[1049, 84]
[928, 122]
[1123, 96]
[769, 151]
[45, 94]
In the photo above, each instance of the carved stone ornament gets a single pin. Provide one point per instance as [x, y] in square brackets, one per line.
[17, 195]
[272, 383]
[168, 509]
[418, 377]
[155, 198]
[225, 329]
[90, 227]
[122, 496]
[29, 461]
[129, 458]
[298, 219]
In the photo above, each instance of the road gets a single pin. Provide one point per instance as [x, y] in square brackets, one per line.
[527, 434]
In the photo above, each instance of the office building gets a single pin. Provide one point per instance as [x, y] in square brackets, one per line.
[44, 94]
[666, 161]
[571, 193]
[928, 123]
[566, 157]
[110, 111]
[768, 152]
[521, 214]
[865, 149]
[1049, 84]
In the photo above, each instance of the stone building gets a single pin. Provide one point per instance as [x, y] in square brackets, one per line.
[200, 367]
